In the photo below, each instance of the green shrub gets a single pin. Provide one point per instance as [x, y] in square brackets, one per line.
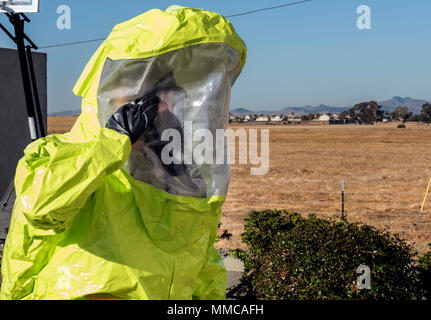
[226, 235]
[401, 126]
[293, 257]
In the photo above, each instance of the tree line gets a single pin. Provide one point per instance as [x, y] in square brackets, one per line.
[371, 112]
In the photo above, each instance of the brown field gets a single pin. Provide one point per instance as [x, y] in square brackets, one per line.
[60, 124]
[385, 169]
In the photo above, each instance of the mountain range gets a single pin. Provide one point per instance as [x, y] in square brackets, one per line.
[414, 105]
[296, 110]
[68, 113]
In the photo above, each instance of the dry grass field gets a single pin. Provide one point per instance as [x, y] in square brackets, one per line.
[60, 124]
[385, 170]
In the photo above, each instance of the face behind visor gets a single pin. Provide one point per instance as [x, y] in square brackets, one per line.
[146, 162]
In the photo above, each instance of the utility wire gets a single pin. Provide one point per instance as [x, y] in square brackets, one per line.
[229, 16]
[70, 43]
[269, 8]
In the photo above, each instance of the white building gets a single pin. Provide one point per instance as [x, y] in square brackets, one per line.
[262, 119]
[293, 118]
[323, 117]
[276, 118]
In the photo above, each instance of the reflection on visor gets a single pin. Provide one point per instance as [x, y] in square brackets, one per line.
[193, 85]
[175, 100]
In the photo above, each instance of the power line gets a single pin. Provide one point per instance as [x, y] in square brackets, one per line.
[229, 16]
[70, 43]
[268, 8]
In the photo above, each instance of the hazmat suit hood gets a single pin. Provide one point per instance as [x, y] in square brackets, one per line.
[96, 217]
[195, 83]
[195, 74]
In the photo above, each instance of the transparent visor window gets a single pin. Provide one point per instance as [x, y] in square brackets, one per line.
[193, 85]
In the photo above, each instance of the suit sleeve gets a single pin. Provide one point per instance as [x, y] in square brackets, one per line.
[55, 177]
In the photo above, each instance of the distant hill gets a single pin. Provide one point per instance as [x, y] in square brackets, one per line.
[69, 113]
[414, 105]
[286, 111]
[240, 111]
[310, 109]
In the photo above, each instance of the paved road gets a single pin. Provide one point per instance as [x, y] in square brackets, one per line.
[234, 267]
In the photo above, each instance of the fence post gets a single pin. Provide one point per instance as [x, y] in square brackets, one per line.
[342, 200]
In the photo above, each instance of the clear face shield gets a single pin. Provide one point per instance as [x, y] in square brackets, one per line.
[193, 84]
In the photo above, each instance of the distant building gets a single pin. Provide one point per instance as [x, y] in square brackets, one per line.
[292, 118]
[262, 118]
[335, 119]
[323, 118]
[276, 118]
[231, 117]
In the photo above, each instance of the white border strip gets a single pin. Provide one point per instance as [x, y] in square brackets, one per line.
[32, 8]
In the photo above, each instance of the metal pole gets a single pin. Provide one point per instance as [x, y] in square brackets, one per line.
[342, 200]
[19, 35]
[40, 122]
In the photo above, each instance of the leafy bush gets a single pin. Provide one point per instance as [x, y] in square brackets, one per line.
[293, 257]
[226, 235]
[401, 126]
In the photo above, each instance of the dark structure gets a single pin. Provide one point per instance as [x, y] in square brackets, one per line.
[14, 125]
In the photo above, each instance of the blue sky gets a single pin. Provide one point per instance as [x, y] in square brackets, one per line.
[307, 54]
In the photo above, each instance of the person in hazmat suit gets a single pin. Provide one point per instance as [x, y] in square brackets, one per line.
[99, 212]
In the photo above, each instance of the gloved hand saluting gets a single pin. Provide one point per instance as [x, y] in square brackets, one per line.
[133, 118]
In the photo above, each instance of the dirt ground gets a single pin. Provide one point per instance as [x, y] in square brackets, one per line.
[385, 171]
[60, 124]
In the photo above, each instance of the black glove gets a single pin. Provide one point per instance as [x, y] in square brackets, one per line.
[133, 118]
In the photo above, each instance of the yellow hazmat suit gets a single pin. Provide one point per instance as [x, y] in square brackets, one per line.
[93, 216]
